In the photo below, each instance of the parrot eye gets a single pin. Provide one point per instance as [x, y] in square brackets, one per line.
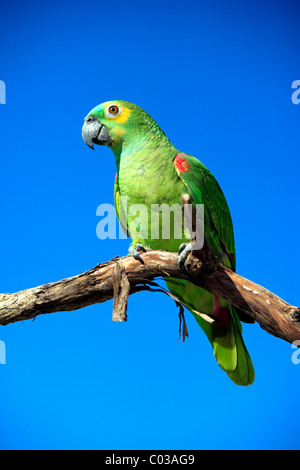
[113, 110]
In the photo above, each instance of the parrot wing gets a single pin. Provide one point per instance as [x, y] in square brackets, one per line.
[204, 189]
[218, 228]
[229, 348]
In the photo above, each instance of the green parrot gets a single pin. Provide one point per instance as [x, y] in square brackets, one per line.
[151, 172]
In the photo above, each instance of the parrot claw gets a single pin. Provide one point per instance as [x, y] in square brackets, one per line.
[181, 248]
[134, 251]
[183, 252]
[140, 247]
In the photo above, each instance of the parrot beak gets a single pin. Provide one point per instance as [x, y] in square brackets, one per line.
[93, 132]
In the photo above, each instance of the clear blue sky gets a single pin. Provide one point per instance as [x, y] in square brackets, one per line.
[217, 78]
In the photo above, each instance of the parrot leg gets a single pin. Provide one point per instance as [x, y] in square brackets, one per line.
[134, 251]
[183, 252]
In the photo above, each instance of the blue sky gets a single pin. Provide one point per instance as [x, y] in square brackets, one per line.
[217, 78]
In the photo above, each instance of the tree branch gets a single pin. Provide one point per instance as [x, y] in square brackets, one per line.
[120, 277]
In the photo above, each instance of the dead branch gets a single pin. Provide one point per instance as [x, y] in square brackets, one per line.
[121, 277]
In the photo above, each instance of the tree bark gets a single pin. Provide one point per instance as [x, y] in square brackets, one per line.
[120, 277]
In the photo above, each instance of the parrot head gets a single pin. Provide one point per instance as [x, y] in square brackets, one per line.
[113, 122]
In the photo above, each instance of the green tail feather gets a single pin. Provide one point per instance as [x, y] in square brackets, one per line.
[244, 373]
[231, 353]
[225, 350]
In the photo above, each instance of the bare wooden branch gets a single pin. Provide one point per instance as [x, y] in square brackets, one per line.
[99, 284]
[121, 288]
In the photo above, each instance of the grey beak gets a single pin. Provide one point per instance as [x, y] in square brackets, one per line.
[93, 132]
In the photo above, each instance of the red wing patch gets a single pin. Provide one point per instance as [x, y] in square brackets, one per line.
[116, 187]
[221, 313]
[181, 165]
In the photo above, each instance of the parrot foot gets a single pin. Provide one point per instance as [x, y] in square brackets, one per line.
[183, 252]
[134, 251]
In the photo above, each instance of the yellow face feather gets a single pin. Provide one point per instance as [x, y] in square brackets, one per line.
[120, 118]
[119, 131]
[123, 116]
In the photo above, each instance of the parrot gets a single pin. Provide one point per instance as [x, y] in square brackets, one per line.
[151, 171]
